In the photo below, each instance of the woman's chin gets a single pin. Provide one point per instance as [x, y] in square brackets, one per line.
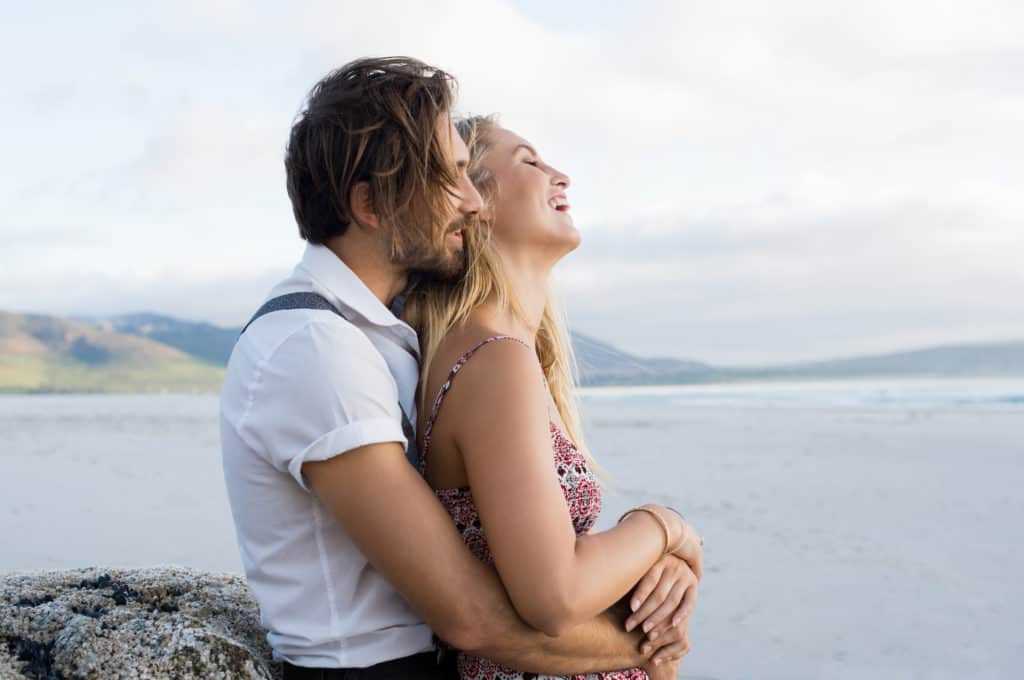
[571, 235]
[567, 240]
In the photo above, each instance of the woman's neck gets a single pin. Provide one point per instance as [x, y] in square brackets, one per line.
[529, 288]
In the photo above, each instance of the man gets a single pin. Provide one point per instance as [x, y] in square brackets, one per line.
[352, 559]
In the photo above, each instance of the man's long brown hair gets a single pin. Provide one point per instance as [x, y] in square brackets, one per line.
[374, 120]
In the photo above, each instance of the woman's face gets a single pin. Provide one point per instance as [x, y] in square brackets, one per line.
[530, 208]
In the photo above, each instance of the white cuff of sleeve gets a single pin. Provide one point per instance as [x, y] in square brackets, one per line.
[344, 439]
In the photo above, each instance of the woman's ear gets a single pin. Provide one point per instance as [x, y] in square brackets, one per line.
[361, 204]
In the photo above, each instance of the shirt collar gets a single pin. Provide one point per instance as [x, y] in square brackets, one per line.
[350, 293]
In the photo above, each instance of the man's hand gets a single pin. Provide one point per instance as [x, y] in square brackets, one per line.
[666, 670]
[674, 644]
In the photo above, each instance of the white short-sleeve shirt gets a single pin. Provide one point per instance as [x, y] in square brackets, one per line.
[307, 385]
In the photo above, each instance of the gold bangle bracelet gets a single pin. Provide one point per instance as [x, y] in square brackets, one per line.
[655, 515]
[686, 530]
[682, 537]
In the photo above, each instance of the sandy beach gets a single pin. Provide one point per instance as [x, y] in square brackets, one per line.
[853, 531]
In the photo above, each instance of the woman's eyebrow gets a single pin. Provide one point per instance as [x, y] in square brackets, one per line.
[527, 147]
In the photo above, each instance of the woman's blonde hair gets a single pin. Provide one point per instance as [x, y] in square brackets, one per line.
[436, 307]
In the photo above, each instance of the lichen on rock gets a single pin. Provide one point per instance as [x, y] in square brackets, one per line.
[165, 622]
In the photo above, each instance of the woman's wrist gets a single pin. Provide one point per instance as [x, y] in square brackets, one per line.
[680, 531]
[675, 527]
[656, 513]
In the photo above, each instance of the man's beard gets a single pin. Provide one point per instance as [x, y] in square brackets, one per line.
[436, 260]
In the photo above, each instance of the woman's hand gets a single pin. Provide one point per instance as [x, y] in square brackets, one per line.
[691, 552]
[661, 605]
[685, 538]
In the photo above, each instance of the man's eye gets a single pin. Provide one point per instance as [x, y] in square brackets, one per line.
[530, 162]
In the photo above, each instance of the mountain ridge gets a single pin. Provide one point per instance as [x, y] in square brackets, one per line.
[152, 352]
[40, 353]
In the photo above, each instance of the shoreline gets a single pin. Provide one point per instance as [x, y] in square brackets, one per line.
[629, 388]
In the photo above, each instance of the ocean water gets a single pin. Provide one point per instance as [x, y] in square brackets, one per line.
[853, 529]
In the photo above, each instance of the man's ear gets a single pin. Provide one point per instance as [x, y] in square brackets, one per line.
[361, 203]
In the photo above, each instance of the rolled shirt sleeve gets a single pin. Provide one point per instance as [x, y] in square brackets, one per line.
[324, 391]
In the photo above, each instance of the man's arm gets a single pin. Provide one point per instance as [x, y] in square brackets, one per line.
[395, 519]
[600, 644]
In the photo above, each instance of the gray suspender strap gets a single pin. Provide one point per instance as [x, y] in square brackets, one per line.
[316, 301]
[293, 301]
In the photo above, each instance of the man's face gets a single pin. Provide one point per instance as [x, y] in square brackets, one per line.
[444, 255]
[466, 201]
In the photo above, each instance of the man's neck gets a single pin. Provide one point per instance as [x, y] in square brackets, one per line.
[382, 277]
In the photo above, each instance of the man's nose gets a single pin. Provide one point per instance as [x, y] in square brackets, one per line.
[471, 201]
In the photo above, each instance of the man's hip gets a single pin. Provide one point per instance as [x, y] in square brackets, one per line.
[424, 666]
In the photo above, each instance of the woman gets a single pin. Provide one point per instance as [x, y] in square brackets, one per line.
[499, 431]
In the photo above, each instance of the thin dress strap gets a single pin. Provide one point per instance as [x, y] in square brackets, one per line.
[429, 428]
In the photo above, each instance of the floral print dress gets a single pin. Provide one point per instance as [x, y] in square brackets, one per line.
[582, 495]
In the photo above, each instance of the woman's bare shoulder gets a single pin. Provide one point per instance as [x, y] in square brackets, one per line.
[458, 343]
[503, 364]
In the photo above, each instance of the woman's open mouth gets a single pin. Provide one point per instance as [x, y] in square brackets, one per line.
[560, 203]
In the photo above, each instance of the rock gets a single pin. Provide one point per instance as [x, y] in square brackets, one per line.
[165, 622]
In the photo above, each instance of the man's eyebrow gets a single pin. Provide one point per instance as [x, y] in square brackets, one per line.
[527, 147]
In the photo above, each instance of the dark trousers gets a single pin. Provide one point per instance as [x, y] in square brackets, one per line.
[417, 667]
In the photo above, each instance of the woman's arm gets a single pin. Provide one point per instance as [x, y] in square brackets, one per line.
[390, 513]
[554, 579]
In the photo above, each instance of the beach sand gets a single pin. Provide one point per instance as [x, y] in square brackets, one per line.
[843, 540]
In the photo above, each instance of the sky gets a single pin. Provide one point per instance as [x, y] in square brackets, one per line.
[755, 182]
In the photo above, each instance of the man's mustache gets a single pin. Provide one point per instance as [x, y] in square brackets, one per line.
[462, 223]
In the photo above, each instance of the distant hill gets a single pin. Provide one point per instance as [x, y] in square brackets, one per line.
[975, 360]
[604, 364]
[601, 364]
[199, 339]
[48, 354]
[151, 352]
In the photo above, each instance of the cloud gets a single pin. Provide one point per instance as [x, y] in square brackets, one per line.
[769, 180]
[806, 273]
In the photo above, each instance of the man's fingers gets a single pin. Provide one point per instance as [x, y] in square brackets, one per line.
[664, 611]
[668, 636]
[678, 626]
[676, 650]
[667, 632]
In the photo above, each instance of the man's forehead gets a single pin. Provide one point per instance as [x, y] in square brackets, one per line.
[459, 150]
